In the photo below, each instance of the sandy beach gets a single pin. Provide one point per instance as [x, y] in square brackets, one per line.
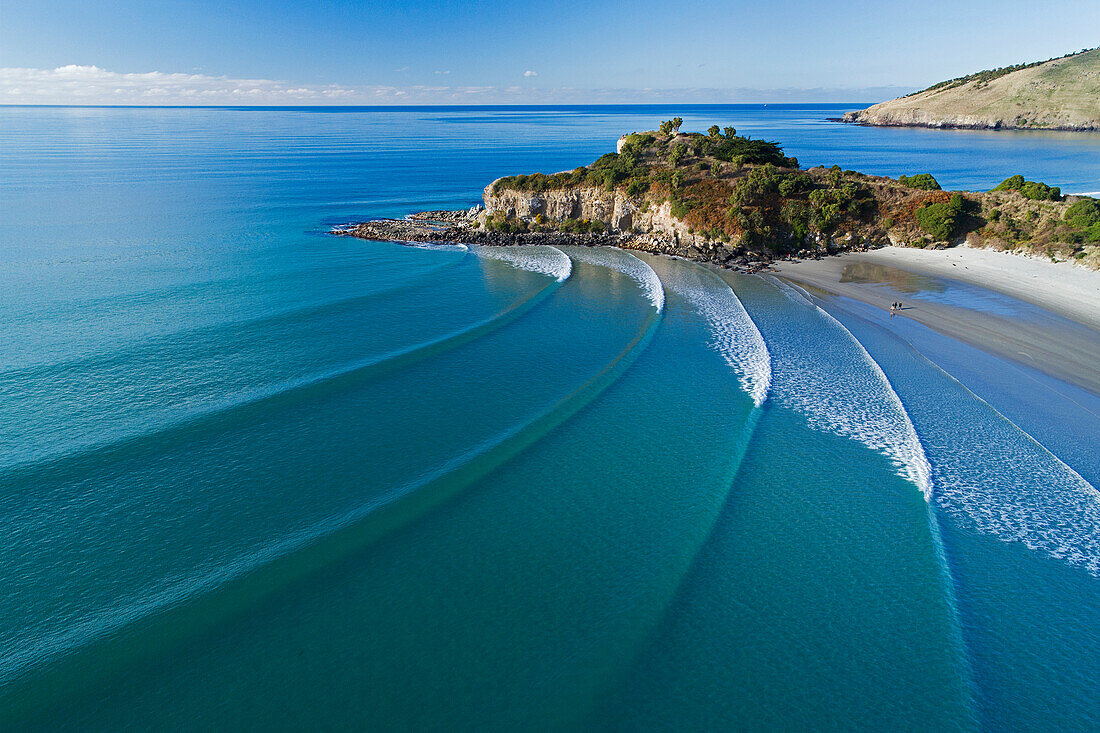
[1060, 336]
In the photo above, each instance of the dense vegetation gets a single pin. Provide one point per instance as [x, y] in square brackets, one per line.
[922, 181]
[941, 220]
[1030, 189]
[650, 159]
[1084, 218]
[726, 188]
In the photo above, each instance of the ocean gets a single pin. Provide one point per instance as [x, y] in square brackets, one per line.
[258, 476]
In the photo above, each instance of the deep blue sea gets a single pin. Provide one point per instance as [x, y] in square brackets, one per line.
[256, 476]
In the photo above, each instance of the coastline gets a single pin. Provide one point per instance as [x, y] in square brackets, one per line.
[1057, 328]
[854, 118]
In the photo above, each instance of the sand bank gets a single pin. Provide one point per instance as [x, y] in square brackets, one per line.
[949, 291]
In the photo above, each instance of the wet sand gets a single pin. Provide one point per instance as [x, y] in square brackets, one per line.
[1043, 315]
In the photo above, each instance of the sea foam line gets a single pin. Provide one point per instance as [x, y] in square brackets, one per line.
[445, 247]
[540, 258]
[629, 265]
[863, 406]
[734, 335]
[994, 477]
[997, 478]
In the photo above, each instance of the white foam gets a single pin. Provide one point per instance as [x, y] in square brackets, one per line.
[734, 335]
[994, 477]
[856, 403]
[626, 263]
[439, 246]
[540, 258]
[988, 474]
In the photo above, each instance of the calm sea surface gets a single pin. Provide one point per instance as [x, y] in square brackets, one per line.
[256, 476]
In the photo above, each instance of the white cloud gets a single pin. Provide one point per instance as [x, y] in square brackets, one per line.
[75, 84]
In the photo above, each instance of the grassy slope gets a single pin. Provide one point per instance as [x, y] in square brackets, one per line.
[1059, 94]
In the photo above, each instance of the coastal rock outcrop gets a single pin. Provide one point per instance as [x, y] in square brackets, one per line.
[623, 214]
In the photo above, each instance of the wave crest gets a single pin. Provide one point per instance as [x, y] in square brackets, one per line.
[629, 265]
[540, 258]
[857, 403]
[734, 335]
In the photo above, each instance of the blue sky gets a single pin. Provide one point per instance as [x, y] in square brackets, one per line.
[128, 51]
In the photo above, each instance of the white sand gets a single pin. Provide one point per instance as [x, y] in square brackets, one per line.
[1067, 352]
[1063, 288]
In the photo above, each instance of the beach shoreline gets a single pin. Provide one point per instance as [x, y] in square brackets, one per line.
[1060, 335]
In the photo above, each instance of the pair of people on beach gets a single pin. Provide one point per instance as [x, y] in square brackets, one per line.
[895, 307]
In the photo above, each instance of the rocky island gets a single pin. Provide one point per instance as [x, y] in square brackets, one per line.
[1059, 94]
[733, 201]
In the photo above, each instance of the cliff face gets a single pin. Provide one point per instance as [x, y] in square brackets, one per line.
[1062, 94]
[651, 227]
[622, 212]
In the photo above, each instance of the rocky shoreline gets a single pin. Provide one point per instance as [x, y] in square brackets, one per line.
[461, 227]
[865, 118]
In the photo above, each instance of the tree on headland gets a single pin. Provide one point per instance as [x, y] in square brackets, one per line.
[671, 127]
[713, 130]
[729, 132]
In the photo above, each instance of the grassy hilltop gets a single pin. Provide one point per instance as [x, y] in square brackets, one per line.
[719, 195]
[1059, 94]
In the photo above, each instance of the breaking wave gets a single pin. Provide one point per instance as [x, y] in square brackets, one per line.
[733, 333]
[626, 263]
[540, 258]
[859, 403]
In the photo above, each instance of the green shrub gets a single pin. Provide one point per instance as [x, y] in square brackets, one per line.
[1084, 215]
[795, 183]
[679, 150]
[741, 150]
[1012, 183]
[1033, 190]
[941, 220]
[1040, 191]
[636, 143]
[680, 208]
[923, 181]
[797, 216]
[669, 127]
[637, 186]
[714, 131]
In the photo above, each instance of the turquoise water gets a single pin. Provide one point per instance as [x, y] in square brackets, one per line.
[257, 476]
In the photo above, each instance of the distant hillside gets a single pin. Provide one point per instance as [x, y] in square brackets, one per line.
[1060, 94]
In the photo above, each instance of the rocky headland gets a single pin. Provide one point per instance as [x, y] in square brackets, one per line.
[1059, 94]
[720, 198]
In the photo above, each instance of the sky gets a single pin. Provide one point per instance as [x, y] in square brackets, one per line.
[520, 52]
